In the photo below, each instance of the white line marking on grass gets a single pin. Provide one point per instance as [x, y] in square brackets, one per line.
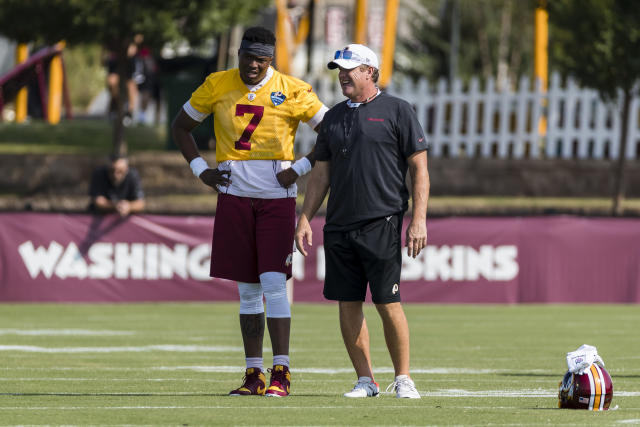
[167, 347]
[208, 380]
[508, 393]
[490, 393]
[232, 407]
[62, 332]
[302, 407]
[336, 371]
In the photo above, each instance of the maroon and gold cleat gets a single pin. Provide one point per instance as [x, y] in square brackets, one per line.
[255, 384]
[280, 381]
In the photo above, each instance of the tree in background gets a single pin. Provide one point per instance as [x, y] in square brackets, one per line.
[114, 24]
[468, 38]
[597, 42]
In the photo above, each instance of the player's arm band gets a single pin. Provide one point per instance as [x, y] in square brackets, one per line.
[193, 113]
[198, 165]
[302, 166]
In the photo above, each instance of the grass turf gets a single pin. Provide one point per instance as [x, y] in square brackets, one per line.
[172, 364]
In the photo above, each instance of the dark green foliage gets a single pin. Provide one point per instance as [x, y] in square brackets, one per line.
[597, 42]
[426, 52]
[110, 22]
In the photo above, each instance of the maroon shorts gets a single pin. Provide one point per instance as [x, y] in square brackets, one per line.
[252, 236]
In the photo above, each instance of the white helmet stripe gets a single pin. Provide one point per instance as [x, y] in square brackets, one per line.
[603, 386]
[592, 388]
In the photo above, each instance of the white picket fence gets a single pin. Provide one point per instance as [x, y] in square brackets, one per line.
[483, 122]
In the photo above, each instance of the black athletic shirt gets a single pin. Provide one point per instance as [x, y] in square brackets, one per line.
[368, 147]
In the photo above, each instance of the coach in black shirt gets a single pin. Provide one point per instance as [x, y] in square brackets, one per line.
[116, 188]
[363, 151]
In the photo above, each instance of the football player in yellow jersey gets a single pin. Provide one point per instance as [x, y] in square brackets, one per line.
[256, 114]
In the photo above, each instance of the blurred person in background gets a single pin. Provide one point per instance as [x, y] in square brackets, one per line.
[364, 149]
[145, 75]
[256, 113]
[113, 84]
[116, 188]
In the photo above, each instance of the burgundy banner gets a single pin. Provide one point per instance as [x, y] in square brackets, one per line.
[83, 258]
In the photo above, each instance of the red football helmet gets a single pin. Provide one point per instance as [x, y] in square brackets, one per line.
[592, 390]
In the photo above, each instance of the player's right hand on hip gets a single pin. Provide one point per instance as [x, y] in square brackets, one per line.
[215, 177]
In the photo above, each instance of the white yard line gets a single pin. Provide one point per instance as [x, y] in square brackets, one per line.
[435, 393]
[335, 371]
[128, 349]
[308, 370]
[276, 408]
[74, 408]
[209, 380]
[63, 332]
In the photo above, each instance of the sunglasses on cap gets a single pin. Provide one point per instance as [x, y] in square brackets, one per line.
[347, 54]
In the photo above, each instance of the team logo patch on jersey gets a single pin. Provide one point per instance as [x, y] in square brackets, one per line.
[277, 98]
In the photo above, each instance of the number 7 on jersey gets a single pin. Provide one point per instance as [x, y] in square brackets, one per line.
[257, 110]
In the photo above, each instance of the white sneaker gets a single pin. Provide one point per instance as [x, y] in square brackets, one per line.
[364, 388]
[404, 388]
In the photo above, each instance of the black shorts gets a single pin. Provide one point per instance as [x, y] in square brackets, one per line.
[372, 253]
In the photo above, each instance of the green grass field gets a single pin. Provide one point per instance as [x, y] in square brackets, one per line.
[172, 364]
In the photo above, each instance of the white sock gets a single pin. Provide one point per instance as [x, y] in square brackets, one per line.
[254, 362]
[402, 377]
[281, 359]
[365, 379]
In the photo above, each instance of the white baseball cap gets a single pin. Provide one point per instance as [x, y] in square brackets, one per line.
[352, 56]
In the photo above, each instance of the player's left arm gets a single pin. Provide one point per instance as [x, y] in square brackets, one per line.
[287, 177]
[302, 166]
[416, 238]
[181, 128]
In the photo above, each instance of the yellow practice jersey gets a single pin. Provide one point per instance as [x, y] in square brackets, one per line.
[258, 125]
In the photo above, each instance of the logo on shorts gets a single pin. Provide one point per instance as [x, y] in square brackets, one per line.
[394, 290]
[287, 262]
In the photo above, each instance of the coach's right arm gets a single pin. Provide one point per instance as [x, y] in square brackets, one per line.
[317, 188]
